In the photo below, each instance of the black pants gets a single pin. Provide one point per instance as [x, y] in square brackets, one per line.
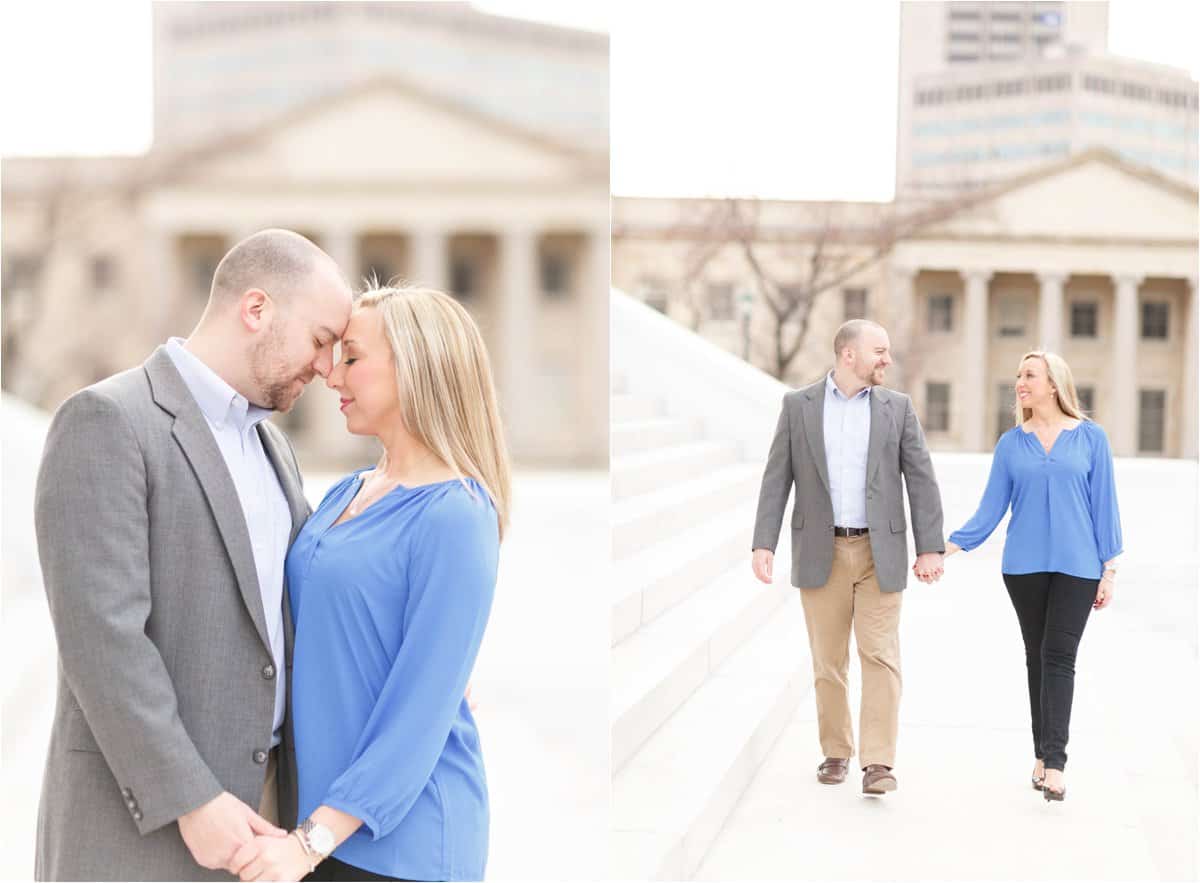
[1052, 608]
[332, 869]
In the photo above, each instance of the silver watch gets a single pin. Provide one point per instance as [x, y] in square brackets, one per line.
[319, 838]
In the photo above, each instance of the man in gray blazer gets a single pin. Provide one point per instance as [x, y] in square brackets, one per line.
[844, 442]
[165, 505]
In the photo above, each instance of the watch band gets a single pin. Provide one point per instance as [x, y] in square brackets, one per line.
[308, 853]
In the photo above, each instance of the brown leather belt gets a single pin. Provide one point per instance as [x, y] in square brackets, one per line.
[851, 531]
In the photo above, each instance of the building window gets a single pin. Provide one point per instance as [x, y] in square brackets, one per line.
[854, 304]
[1084, 316]
[653, 293]
[377, 270]
[1151, 420]
[720, 301]
[941, 312]
[464, 278]
[555, 271]
[1005, 399]
[1155, 315]
[1012, 317]
[21, 272]
[937, 407]
[1087, 400]
[200, 270]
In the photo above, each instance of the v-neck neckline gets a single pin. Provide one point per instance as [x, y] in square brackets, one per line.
[1046, 452]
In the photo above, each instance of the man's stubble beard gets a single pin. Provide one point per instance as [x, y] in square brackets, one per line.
[266, 367]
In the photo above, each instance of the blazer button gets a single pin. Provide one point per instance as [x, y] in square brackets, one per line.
[260, 756]
[268, 671]
[137, 815]
[126, 793]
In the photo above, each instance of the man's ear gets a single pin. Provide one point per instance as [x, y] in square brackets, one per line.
[255, 310]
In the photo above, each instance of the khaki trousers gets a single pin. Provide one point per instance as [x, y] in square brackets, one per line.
[852, 599]
[268, 807]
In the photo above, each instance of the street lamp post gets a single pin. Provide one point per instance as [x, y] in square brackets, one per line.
[745, 306]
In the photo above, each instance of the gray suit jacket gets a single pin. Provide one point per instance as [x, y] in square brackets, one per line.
[797, 457]
[164, 695]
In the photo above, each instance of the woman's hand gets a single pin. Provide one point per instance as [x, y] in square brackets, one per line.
[272, 858]
[951, 548]
[1104, 592]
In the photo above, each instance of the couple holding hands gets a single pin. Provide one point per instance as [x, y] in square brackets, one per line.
[844, 443]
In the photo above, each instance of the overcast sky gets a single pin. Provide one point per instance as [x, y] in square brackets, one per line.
[791, 100]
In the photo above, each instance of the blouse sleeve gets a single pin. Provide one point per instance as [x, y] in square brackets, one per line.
[1102, 493]
[451, 580]
[996, 497]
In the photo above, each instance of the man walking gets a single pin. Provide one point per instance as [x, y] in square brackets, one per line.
[844, 442]
[165, 506]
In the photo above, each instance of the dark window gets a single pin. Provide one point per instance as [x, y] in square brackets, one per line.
[654, 293]
[1087, 400]
[378, 270]
[720, 301]
[556, 275]
[1012, 317]
[102, 272]
[201, 270]
[1155, 316]
[854, 303]
[464, 278]
[1151, 420]
[21, 272]
[937, 407]
[1084, 318]
[941, 312]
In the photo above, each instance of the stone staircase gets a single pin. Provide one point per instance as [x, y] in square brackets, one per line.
[708, 664]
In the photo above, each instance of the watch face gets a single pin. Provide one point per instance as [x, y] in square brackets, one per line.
[321, 839]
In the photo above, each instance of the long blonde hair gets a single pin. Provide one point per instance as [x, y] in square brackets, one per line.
[1059, 374]
[447, 398]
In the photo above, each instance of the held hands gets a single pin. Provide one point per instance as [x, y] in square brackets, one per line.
[216, 831]
[271, 858]
[1104, 591]
[763, 564]
[928, 567]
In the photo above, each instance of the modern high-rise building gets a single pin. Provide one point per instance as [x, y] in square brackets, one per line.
[991, 90]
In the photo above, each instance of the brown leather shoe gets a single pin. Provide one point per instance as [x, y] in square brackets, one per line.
[832, 770]
[878, 779]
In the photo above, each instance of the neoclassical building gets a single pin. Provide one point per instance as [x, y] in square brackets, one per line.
[105, 258]
[1091, 257]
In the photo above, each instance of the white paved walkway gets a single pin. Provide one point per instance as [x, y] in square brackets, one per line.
[964, 809]
[541, 682]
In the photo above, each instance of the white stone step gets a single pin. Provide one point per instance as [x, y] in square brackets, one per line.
[649, 471]
[658, 668]
[672, 797]
[646, 435]
[643, 520]
[655, 579]
[627, 407]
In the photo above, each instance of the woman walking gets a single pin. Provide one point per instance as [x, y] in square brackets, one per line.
[1055, 468]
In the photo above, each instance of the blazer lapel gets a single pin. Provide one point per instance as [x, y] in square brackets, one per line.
[881, 424]
[297, 504]
[196, 439]
[814, 429]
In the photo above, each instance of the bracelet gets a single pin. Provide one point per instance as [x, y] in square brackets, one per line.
[308, 853]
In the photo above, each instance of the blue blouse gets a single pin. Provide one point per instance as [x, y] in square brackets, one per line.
[1064, 504]
[390, 609]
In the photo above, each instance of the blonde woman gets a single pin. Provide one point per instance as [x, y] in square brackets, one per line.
[1055, 468]
[391, 582]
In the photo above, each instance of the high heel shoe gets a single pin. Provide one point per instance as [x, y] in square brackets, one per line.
[1051, 794]
[1037, 782]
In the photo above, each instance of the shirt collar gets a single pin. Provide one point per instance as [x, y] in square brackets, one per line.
[220, 403]
[831, 388]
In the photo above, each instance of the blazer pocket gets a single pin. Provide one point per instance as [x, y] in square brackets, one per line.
[898, 525]
[79, 735]
[797, 520]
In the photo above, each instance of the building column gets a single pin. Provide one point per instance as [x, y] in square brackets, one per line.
[1191, 389]
[430, 262]
[901, 315]
[1123, 431]
[516, 320]
[974, 395]
[341, 244]
[1050, 311]
[595, 293]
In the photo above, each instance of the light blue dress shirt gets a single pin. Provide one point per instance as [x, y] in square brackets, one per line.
[234, 424]
[1064, 503]
[390, 609]
[847, 428]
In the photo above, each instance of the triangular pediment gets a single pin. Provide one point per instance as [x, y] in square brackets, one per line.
[1092, 196]
[383, 134]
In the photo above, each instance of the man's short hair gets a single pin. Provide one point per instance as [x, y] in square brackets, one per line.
[274, 260]
[850, 332]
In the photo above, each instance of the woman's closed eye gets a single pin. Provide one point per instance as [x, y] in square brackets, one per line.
[349, 360]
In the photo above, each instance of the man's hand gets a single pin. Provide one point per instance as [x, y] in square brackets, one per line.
[928, 567]
[215, 831]
[271, 858]
[763, 564]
